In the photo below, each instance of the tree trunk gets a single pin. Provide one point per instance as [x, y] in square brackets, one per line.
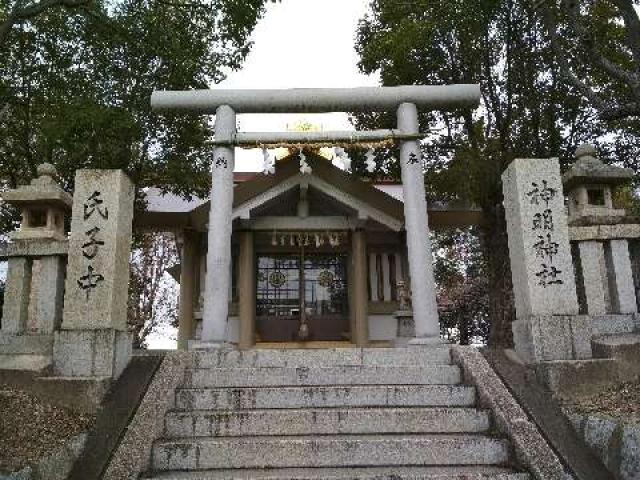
[501, 305]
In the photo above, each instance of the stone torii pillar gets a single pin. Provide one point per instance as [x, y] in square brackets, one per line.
[406, 99]
[218, 276]
[423, 287]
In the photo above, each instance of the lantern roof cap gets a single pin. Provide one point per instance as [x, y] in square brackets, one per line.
[43, 190]
[589, 170]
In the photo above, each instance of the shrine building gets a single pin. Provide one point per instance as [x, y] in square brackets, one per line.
[316, 257]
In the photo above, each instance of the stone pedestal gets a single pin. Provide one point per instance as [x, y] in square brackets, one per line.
[406, 329]
[623, 294]
[547, 325]
[94, 341]
[33, 303]
[594, 276]
[16, 296]
[552, 337]
[91, 353]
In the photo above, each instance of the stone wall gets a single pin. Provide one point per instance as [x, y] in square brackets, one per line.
[617, 443]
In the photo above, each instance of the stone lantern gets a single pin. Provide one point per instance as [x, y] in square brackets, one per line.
[36, 257]
[43, 205]
[589, 184]
[600, 235]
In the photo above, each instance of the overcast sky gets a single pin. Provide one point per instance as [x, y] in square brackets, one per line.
[300, 44]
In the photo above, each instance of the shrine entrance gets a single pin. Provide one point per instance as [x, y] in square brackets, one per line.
[227, 205]
[302, 297]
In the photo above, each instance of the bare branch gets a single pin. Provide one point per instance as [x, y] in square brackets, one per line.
[599, 59]
[632, 30]
[565, 68]
[621, 112]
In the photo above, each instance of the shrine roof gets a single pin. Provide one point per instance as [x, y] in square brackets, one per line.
[167, 210]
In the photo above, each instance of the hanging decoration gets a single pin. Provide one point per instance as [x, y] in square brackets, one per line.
[269, 163]
[370, 160]
[307, 239]
[277, 279]
[342, 155]
[313, 146]
[305, 169]
[325, 279]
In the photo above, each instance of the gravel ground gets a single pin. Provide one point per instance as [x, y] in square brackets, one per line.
[29, 428]
[621, 402]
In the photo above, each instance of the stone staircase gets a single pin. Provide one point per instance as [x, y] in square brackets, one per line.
[373, 413]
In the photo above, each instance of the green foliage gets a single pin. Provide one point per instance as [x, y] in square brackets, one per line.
[75, 86]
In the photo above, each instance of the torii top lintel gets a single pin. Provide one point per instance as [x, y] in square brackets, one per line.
[318, 100]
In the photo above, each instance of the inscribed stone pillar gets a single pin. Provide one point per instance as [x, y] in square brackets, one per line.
[594, 276]
[425, 309]
[548, 326]
[94, 341]
[188, 263]
[247, 287]
[623, 294]
[218, 276]
[359, 304]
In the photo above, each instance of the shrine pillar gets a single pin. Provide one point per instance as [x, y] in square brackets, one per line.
[187, 298]
[425, 309]
[360, 301]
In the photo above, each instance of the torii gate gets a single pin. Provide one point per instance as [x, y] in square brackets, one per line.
[406, 99]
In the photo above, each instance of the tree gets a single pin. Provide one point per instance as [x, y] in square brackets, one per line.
[597, 44]
[152, 300]
[528, 110]
[75, 83]
[460, 273]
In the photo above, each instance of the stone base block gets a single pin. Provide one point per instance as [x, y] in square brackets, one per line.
[91, 353]
[543, 338]
[26, 344]
[615, 324]
[204, 345]
[577, 377]
[28, 363]
[79, 394]
[406, 329]
[624, 349]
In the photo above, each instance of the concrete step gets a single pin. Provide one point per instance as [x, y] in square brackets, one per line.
[415, 356]
[325, 396]
[325, 422]
[340, 375]
[478, 472]
[329, 451]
